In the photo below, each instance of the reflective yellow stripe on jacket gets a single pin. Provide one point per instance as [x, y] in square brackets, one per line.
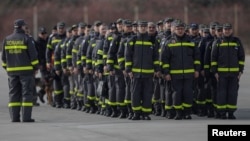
[15, 47]
[19, 68]
[228, 44]
[181, 44]
[182, 71]
[228, 69]
[142, 70]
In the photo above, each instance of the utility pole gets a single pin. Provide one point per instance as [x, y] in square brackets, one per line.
[136, 10]
[236, 19]
[85, 14]
[186, 13]
[35, 22]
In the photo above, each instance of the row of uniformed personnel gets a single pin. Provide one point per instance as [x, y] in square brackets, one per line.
[178, 71]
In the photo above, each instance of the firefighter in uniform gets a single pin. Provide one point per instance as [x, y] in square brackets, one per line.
[135, 27]
[57, 85]
[117, 100]
[97, 67]
[91, 83]
[165, 86]
[156, 105]
[128, 33]
[19, 59]
[73, 76]
[111, 91]
[60, 64]
[111, 54]
[199, 95]
[227, 62]
[181, 60]
[210, 81]
[78, 72]
[141, 61]
[81, 57]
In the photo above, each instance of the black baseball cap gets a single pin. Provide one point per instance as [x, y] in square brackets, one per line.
[142, 23]
[119, 21]
[194, 26]
[127, 22]
[168, 19]
[60, 24]
[179, 23]
[97, 23]
[227, 26]
[19, 23]
[42, 30]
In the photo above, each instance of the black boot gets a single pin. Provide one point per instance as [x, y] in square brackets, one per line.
[201, 110]
[86, 109]
[178, 115]
[231, 115]
[130, 111]
[114, 112]
[146, 116]
[103, 110]
[66, 104]
[98, 111]
[222, 115]
[217, 115]
[73, 104]
[136, 116]
[170, 114]
[158, 108]
[210, 110]
[187, 114]
[108, 111]
[163, 111]
[79, 104]
[123, 112]
[130, 115]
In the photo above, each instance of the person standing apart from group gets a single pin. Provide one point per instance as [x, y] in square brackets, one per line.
[19, 59]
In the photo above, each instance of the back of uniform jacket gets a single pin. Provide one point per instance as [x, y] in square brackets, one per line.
[19, 54]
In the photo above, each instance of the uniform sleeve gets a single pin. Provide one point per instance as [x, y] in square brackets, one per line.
[75, 51]
[129, 51]
[197, 59]
[112, 54]
[202, 49]
[99, 58]
[106, 48]
[241, 56]
[120, 54]
[207, 58]
[57, 62]
[89, 60]
[32, 53]
[165, 59]
[3, 55]
[214, 58]
[69, 52]
[83, 51]
[63, 55]
[156, 56]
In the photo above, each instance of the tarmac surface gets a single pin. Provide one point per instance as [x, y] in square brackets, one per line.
[70, 125]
